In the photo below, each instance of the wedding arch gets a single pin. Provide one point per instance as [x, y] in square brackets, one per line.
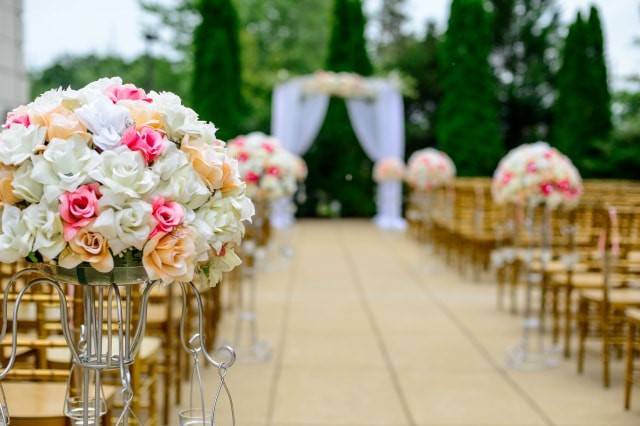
[376, 112]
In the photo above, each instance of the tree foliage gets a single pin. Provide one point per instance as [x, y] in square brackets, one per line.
[467, 124]
[77, 71]
[524, 57]
[217, 74]
[582, 114]
[338, 168]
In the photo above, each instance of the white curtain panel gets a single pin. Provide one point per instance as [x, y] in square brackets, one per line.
[389, 204]
[296, 121]
[378, 124]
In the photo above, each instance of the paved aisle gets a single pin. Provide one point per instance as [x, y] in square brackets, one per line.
[367, 330]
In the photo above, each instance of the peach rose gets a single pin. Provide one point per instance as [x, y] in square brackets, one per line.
[170, 256]
[87, 246]
[143, 114]
[6, 185]
[212, 166]
[60, 123]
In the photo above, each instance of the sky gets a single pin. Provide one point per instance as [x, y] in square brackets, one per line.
[53, 28]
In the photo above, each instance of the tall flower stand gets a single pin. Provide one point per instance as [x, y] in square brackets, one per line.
[112, 311]
[532, 353]
[246, 341]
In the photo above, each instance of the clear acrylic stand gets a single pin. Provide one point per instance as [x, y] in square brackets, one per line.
[532, 352]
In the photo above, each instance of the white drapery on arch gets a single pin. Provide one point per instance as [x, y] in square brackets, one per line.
[378, 123]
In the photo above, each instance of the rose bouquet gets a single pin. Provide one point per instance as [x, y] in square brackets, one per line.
[268, 169]
[108, 173]
[388, 169]
[429, 169]
[537, 174]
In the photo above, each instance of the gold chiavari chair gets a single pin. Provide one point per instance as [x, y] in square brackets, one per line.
[603, 309]
[632, 372]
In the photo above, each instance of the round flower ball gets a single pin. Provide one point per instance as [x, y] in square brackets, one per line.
[267, 168]
[429, 169]
[388, 169]
[109, 171]
[533, 174]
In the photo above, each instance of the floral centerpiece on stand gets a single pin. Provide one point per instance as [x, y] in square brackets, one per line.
[534, 174]
[268, 169]
[388, 169]
[109, 173]
[429, 169]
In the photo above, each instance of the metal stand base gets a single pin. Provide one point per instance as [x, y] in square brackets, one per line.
[530, 355]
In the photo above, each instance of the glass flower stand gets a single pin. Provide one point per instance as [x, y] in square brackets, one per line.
[533, 353]
[111, 326]
[250, 348]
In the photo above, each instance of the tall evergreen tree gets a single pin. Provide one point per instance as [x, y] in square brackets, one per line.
[569, 130]
[216, 87]
[467, 125]
[582, 112]
[601, 97]
[525, 39]
[338, 168]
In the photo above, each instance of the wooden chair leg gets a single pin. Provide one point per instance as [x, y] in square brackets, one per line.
[515, 272]
[583, 328]
[555, 315]
[628, 377]
[568, 323]
[606, 344]
[500, 290]
[153, 392]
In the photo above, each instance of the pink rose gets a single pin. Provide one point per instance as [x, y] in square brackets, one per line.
[251, 177]
[243, 156]
[546, 188]
[17, 117]
[269, 147]
[273, 171]
[167, 214]
[79, 208]
[126, 92]
[531, 167]
[150, 142]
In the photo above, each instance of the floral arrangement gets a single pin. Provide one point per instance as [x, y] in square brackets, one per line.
[268, 169]
[110, 172]
[300, 168]
[537, 174]
[388, 169]
[428, 169]
[341, 84]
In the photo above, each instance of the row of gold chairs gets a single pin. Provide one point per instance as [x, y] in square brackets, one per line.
[586, 261]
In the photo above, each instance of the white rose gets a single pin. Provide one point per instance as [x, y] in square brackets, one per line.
[220, 220]
[170, 162]
[124, 222]
[220, 264]
[206, 132]
[185, 187]
[43, 222]
[15, 240]
[174, 114]
[24, 186]
[18, 142]
[64, 166]
[124, 172]
[106, 121]
[98, 87]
